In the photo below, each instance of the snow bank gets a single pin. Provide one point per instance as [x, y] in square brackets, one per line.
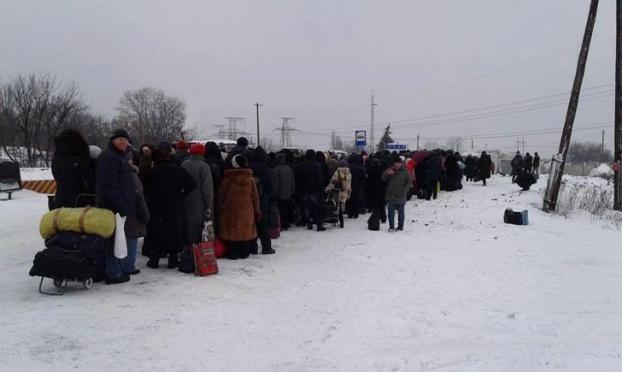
[602, 171]
[36, 174]
[593, 195]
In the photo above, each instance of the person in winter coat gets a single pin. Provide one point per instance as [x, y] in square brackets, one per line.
[70, 168]
[283, 189]
[432, 174]
[485, 167]
[376, 187]
[454, 173]
[181, 152]
[536, 164]
[355, 204]
[398, 184]
[341, 180]
[310, 182]
[135, 224]
[263, 179]
[331, 165]
[238, 208]
[116, 192]
[517, 165]
[527, 162]
[166, 186]
[199, 203]
[239, 148]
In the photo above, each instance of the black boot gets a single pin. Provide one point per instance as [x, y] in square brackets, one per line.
[173, 260]
[122, 279]
[154, 261]
[268, 251]
[321, 228]
[310, 226]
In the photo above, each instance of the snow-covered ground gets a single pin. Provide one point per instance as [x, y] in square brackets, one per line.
[458, 290]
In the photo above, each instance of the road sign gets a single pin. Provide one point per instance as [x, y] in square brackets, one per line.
[397, 147]
[360, 138]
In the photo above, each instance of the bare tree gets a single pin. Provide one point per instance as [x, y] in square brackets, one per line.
[151, 115]
[33, 109]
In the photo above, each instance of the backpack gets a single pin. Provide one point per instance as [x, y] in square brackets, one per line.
[373, 223]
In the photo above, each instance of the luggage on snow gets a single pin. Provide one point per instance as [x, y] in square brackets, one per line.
[95, 221]
[516, 218]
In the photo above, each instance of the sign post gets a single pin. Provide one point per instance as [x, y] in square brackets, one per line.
[360, 139]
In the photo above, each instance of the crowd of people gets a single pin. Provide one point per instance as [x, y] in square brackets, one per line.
[168, 191]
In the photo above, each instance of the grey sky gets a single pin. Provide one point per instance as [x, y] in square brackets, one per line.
[319, 60]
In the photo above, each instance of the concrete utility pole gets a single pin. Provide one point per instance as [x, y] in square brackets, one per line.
[617, 179]
[257, 106]
[559, 160]
[372, 137]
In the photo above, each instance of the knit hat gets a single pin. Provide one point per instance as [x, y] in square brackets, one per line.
[165, 147]
[120, 133]
[242, 141]
[181, 145]
[239, 161]
[197, 149]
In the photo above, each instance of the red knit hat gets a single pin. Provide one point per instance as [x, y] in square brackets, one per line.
[197, 149]
[181, 145]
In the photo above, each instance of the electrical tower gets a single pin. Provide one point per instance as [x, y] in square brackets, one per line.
[220, 131]
[232, 127]
[286, 130]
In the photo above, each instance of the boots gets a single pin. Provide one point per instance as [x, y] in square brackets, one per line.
[173, 260]
[154, 261]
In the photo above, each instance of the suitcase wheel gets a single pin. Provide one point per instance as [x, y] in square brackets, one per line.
[88, 283]
[58, 283]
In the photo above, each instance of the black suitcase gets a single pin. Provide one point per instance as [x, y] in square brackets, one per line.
[62, 266]
[373, 223]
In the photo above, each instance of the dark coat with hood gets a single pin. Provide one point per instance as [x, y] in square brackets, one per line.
[359, 177]
[309, 175]
[238, 206]
[485, 166]
[70, 168]
[115, 187]
[263, 176]
[165, 188]
[283, 180]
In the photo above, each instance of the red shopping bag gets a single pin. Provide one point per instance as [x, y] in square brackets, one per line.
[220, 249]
[204, 259]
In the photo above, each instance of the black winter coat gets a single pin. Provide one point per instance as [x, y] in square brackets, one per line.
[165, 187]
[359, 181]
[70, 168]
[432, 168]
[484, 167]
[309, 178]
[263, 173]
[115, 186]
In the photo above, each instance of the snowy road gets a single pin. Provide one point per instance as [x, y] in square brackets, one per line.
[456, 291]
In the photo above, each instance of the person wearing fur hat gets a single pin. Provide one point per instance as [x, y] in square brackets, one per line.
[166, 186]
[239, 148]
[342, 180]
[199, 204]
[238, 208]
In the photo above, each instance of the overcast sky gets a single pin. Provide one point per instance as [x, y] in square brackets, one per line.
[319, 60]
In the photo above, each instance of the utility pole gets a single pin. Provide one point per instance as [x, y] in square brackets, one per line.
[523, 145]
[257, 107]
[559, 160]
[372, 139]
[617, 179]
[417, 142]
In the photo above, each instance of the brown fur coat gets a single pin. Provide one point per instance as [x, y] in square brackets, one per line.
[237, 205]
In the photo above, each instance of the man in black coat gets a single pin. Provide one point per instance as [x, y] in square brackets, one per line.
[310, 182]
[517, 165]
[70, 168]
[263, 178]
[536, 164]
[376, 187]
[355, 204]
[485, 166]
[432, 170]
[116, 192]
[527, 162]
[165, 187]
